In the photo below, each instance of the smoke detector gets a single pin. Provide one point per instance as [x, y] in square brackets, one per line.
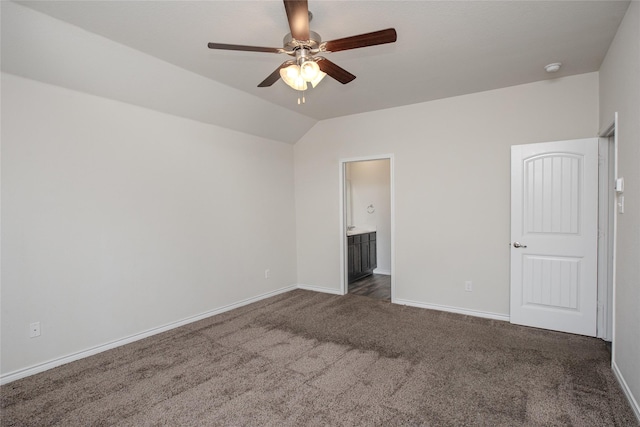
[553, 68]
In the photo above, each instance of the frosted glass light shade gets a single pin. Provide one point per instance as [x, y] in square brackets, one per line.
[291, 76]
[300, 84]
[318, 78]
[309, 70]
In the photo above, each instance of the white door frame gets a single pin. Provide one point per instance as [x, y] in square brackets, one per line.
[344, 283]
[607, 230]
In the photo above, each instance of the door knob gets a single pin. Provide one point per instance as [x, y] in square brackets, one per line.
[518, 245]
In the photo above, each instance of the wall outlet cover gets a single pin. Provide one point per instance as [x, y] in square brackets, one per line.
[34, 329]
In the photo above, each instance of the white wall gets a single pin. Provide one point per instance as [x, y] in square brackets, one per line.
[371, 185]
[452, 180]
[620, 91]
[117, 219]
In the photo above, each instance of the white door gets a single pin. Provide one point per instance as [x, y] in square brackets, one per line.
[554, 235]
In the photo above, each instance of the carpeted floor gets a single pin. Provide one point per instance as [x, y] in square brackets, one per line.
[305, 358]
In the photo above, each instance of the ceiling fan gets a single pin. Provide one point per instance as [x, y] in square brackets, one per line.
[305, 46]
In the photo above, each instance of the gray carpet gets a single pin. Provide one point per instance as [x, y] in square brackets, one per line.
[304, 358]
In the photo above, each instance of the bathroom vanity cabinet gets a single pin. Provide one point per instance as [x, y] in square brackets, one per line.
[361, 255]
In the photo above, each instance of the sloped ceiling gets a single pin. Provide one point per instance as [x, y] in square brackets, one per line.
[444, 49]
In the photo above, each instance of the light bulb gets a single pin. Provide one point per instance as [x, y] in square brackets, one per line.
[309, 70]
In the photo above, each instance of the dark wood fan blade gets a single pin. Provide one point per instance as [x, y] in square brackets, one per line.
[338, 73]
[363, 40]
[273, 77]
[298, 16]
[224, 46]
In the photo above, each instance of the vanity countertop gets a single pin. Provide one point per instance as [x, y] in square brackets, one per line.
[360, 230]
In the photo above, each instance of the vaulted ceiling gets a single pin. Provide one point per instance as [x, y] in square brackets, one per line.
[444, 48]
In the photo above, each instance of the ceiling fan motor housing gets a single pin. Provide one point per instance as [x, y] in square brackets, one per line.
[291, 45]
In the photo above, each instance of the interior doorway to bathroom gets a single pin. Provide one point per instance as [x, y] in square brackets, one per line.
[367, 226]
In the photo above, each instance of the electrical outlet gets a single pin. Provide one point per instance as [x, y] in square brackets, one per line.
[468, 286]
[267, 273]
[34, 329]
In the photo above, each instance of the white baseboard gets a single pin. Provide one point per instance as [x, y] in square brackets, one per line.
[321, 289]
[475, 313]
[382, 271]
[41, 367]
[625, 388]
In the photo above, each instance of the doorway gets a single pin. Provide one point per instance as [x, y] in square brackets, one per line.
[366, 226]
[608, 199]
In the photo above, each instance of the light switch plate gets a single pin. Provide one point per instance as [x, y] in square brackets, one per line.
[621, 204]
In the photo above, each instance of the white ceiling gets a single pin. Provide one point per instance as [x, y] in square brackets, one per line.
[444, 48]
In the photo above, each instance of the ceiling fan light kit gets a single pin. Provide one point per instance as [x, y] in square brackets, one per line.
[304, 45]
